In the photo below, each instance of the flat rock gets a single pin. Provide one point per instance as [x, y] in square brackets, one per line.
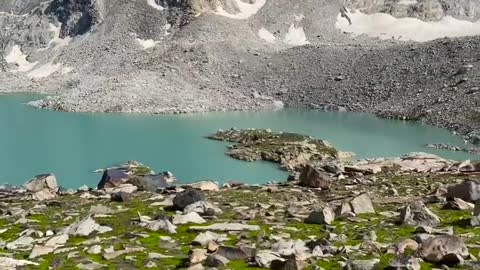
[226, 227]
[191, 217]
[82, 227]
[40, 251]
[205, 185]
[202, 208]
[203, 239]
[24, 242]
[14, 264]
[90, 266]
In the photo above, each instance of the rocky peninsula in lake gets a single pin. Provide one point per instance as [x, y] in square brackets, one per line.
[418, 211]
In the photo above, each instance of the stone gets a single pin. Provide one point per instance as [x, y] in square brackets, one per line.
[212, 246]
[162, 224]
[324, 216]
[436, 248]
[198, 256]
[58, 240]
[402, 246]
[197, 266]
[404, 263]
[110, 255]
[226, 227]
[192, 217]
[264, 258]
[95, 249]
[240, 253]
[150, 264]
[458, 204]
[187, 197]
[104, 229]
[289, 263]
[82, 227]
[215, 260]
[44, 194]
[41, 182]
[24, 242]
[84, 188]
[202, 208]
[361, 264]
[125, 188]
[475, 221]
[40, 251]
[343, 210]
[469, 191]
[203, 239]
[113, 178]
[14, 264]
[205, 185]
[90, 266]
[417, 214]
[121, 197]
[362, 204]
[312, 177]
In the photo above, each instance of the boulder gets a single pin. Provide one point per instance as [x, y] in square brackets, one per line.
[312, 177]
[187, 197]
[468, 190]
[216, 260]
[361, 264]
[44, 194]
[188, 218]
[458, 204]
[121, 197]
[203, 239]
[203, 208]
[205, 185]
[324, 216]
[41, 182]
[24, 242]
[288, 263]
[241, 253]
[441, 249]
[418, 214]
[198, 256]
[82, 227]
[113, 178]
[264, 258]
[362, 204]
[12, 264]
[40, 251]
[404, 263]
[161, 224]
[475, 221]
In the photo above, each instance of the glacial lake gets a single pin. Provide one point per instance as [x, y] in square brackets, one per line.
[73, 145]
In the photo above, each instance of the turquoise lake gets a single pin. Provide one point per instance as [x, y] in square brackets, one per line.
[73, 145]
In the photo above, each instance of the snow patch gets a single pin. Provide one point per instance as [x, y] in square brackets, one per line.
[17, 57]
[266, 35]
[44, 70]
[385, 26]
[146, 44]
[246, 10]
[153, 4]
[295, 36]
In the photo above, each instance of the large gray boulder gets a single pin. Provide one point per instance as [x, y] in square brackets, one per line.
[187, 197]
[323, 216]
[446, 249]
[312, 177]
[362, 204]
[468, 190]
[41, 182]
[418, 214]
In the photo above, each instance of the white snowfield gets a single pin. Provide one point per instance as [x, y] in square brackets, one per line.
[246, 10]
[17, 57]
[385, 26]
[155, 5]
[147, 43]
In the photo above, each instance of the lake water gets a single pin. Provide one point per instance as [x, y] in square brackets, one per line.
[72, 145]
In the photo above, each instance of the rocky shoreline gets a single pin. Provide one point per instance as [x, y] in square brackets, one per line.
[414, 212]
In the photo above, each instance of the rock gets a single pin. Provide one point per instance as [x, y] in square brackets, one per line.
[286, 248]
[458, 204]
[289, 263]
[14, 264]
[150, 264]
[198, 256]
[41, 182]
[187, 197]
[216, 260]
[241, 253]
[44, 194]
[121, 197]
[188, 218]
[197, 266]
[90, 266]
[404, 263]
[24, 242]
[84, 188]
[82, 227]
[402, 246]
[40, 251]
[114, 254]
[312, 177]
[95, 249]
[417, 214]
[113, 178]
[324, 216]
[123, 188]
[361, 264]
[226, 227]
[362, 204]
[468, 190]
[264, 258]
[343, 210]
[205, 185]
[475, 221]
[204, 238]
[437, 248]
[212, 247]
[162, 224]
[58, 240]
[202, 208]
